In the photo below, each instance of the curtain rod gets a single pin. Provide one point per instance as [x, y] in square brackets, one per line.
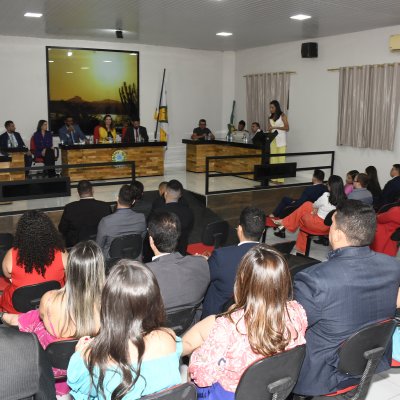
[360, 66]
[271, 73]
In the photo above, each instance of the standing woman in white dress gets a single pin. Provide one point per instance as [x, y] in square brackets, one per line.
[278, 121]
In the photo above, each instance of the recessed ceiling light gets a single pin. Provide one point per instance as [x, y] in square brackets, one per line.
[224, 34]
[69, 53]
[33, 15]
[84, 67]
[69, 72]
[107, 61]
[300, 17]
[51, 61]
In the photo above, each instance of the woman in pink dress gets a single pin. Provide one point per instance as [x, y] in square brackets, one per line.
[263, 321]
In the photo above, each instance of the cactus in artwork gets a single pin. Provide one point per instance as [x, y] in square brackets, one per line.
[129, 99]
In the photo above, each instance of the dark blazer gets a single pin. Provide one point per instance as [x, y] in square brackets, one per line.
[69, 139]
[354, 288]
[223, 264]
[81, 218]
[42, 142]
[311, 193]
[24, 368]
[142, 206]
[4, 144]
[391, 191]
[186, 218]
[130, 134]
[183, 280]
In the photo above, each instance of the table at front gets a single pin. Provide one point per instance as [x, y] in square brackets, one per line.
[148, 157]
[14, 159]
[198, 150]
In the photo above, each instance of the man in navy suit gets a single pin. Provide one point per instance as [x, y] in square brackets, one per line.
[135, 133]
[13, 140]
[311, 193]
[223, 262]
[391, 191]
[354, 288]
[70, 133]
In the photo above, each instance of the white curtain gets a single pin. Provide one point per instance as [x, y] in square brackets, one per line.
[369, 98]
[261, 89]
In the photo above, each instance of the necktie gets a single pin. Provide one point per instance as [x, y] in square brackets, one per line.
[13, 141]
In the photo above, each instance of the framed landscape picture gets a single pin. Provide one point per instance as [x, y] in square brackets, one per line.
[90, 83]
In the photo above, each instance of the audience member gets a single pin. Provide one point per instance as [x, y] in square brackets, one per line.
[311, 193]
[124, 221]
[360, 191]
[183, 280]
[134, 354]
[388, 221]
[391, 191]
[135, 133]
[74, 310]
[354, 288]
[24, 368]
[172, 195]
[11, 139]
[263, 321]
[70, 133]
[38, 255]
[43, 141]
[348, 187]
[310, 216]
[80, 218]
[140, 205]
[159, 201]
[373, 184]
[202, 132]
[107, 132]
[224, 261]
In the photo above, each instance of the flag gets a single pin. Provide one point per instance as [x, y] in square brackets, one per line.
[162, 115]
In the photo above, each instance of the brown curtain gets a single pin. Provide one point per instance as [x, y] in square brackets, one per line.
[369, 98]
[261, 89]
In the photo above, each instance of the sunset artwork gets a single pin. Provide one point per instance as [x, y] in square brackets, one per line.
[89, 83]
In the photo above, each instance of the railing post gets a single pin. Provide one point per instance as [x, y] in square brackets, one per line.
[207, 173]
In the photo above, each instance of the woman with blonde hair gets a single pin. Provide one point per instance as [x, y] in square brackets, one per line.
[263, 321]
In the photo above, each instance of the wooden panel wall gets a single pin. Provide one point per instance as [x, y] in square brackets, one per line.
[17, 160]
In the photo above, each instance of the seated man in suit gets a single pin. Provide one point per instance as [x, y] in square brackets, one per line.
[24, 368]
[124, 221]
[391, 191]
[202, 132]
[354, 288]
[140, 205]
[310, 193]
[183, 280]
[13, 140]
[257, 136]
[135, 133]
[172, 195]
[71, 133]
[360, 191]
[80, 218]
[224, 261]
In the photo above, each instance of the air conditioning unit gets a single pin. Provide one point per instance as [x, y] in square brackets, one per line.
[394, 43]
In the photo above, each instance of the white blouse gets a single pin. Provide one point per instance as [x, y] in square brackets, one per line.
[323, 205]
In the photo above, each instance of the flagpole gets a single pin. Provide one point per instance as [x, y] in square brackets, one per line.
[159, 105]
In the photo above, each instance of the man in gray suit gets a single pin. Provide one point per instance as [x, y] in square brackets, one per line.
[124, 221]
[183, 280]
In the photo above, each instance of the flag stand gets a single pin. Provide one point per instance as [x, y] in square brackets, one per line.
[159, 105]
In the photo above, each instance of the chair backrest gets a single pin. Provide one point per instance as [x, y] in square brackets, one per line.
[186, 391]
[60, 352]
[284, 247]
[179, 319]
[32, 145]
[396, 235]
[328, 218]
[129, 246]
[27, 298]
[215, 234]
[96, 134]
[271, 378]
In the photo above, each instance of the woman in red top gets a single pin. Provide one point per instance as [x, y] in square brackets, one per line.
[38, 255]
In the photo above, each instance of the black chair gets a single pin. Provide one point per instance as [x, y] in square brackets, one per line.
[128, 246]
[214, 234]
[360, 355]
[299, 263]
[59, 354]
[186, 391]
[271, 378]
[6, 241]
[396, 236]
[284, 247]
[179, 319]
[87, 233]
[27, 298]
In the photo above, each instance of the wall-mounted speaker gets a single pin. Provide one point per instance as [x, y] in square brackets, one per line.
[309, 50]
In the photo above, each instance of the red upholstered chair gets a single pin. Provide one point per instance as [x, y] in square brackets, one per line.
[33, 148]
[96, 134]
[214, 236]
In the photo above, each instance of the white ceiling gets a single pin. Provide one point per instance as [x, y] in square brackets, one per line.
[194, 23]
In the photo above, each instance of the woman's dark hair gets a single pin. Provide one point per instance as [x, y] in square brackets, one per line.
[336, 190]
[353, 173]
[36, 240]
[373, 183]
[262, 289]
[39, 125]
[103, 122]
[131, 308]
[278, 111]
